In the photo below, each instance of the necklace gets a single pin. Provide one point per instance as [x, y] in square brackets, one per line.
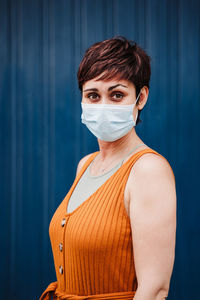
[103, 169]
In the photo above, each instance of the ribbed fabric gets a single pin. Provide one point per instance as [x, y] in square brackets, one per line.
[97, 254]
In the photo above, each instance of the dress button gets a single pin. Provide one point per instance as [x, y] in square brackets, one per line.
[63, 222]
[61, 270]
[60, 246]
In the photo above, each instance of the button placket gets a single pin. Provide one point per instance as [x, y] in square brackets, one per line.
[61, 250]
[63, 222]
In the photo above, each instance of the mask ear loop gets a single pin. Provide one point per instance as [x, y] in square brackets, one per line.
[135, 103]
[137, 97]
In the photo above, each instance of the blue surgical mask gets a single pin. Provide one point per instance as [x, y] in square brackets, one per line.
[108, 122]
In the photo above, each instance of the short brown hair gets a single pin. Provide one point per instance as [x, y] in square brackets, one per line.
[118, 58]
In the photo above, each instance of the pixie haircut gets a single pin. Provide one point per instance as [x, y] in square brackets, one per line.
[116, 58]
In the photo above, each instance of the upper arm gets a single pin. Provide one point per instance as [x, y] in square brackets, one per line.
[152, 213]
[81, 163]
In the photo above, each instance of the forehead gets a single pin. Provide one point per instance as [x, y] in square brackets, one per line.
[105, 84]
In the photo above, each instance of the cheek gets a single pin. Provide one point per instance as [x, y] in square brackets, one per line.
[129, 99]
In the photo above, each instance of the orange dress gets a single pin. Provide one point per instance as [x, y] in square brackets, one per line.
[92, 246]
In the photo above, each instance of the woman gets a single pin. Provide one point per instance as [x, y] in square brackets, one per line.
[113, 235]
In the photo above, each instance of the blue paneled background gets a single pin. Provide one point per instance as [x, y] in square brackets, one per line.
[42, 138]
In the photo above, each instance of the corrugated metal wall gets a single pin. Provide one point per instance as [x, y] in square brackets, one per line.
[42, 138]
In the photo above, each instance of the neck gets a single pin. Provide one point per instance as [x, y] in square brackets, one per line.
[118, 147]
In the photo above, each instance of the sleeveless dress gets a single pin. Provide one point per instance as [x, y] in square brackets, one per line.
[92, 246]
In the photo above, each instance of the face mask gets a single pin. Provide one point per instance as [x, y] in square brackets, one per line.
[108, 122]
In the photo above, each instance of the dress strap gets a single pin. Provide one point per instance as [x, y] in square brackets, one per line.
[131, 152]
[128, 164]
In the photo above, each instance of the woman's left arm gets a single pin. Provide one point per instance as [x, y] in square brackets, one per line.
[152, 212]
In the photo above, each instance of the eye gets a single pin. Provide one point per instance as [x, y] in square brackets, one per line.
[119, 95]
[92, 94]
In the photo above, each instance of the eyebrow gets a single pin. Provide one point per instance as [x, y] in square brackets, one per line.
[109, 89]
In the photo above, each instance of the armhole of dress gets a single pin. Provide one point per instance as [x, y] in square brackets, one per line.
[124, 184]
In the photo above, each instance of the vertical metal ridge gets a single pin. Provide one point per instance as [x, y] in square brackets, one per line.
[13, 150]
[45, 116]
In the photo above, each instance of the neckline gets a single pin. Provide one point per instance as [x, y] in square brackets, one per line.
[102, 186]
[117, 165]
[101, 175]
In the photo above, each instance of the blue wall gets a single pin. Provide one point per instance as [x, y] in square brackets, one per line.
[42, 138]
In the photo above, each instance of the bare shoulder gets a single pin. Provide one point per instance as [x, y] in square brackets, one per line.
[150, 173]
[82, 162]
[152, 165]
